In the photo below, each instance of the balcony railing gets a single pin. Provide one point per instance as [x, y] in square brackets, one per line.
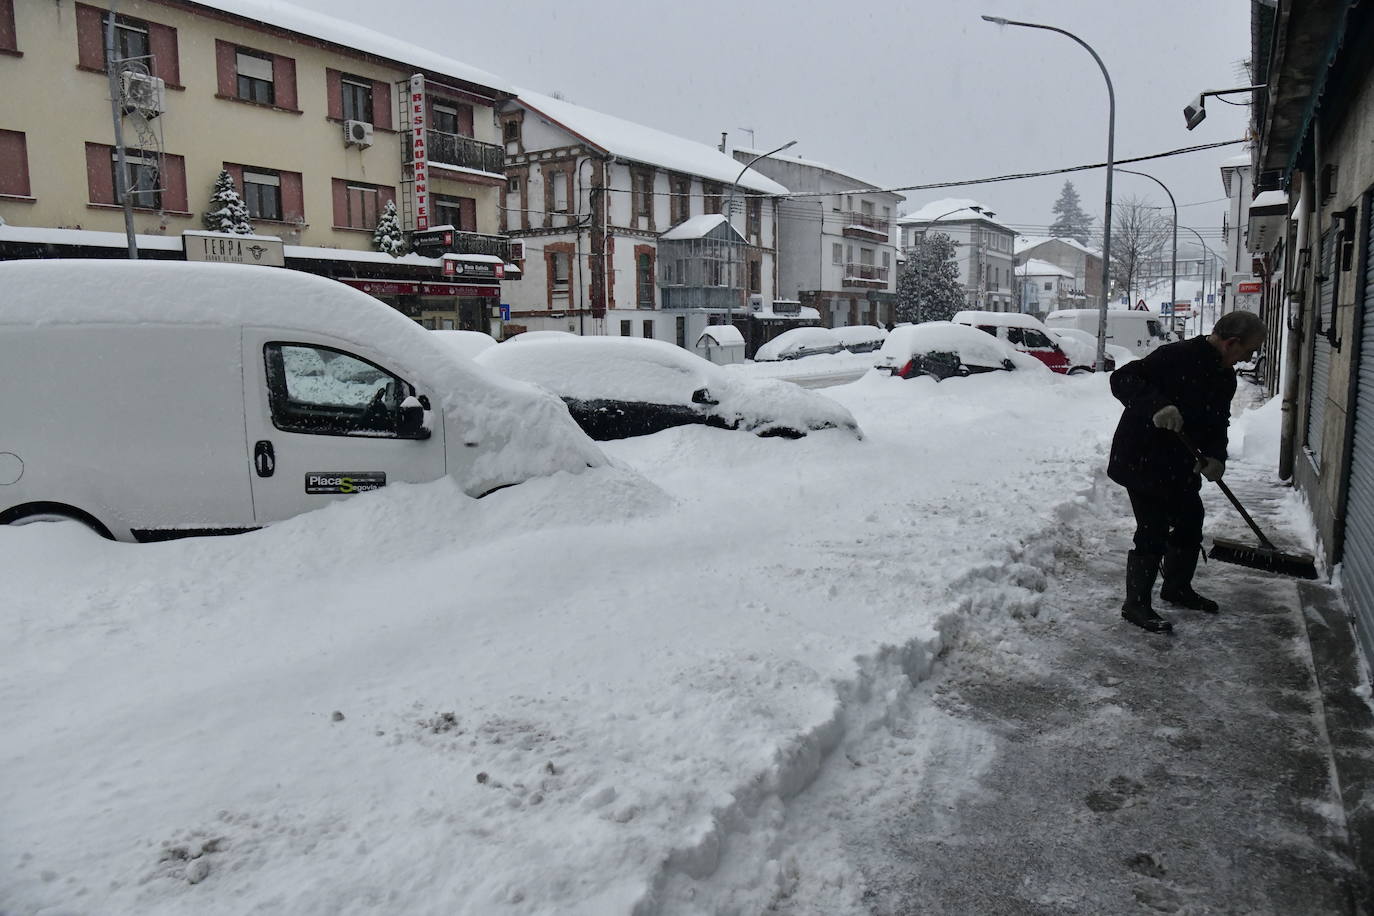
[865, 275]
[430, 244]
[465, 152]
[867, 223]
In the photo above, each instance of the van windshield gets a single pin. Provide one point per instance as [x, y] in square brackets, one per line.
[1154, 328]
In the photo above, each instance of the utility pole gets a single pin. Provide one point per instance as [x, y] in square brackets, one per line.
[113, 74]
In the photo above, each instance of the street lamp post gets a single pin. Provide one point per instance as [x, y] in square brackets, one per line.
[1203, 304]
[729, 216]
[1173, 264]
[1111, 150]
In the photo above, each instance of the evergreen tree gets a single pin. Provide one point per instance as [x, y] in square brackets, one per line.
[1070, 221]
[929, 287]
[227, 211]
[388, 237]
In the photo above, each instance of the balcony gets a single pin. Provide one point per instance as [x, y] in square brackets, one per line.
[866, 226]
[868, 276]
[465, 152]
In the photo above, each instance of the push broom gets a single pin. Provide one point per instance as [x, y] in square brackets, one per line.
[1266, 556]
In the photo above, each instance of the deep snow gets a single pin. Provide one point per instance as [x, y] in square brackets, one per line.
[593, 693]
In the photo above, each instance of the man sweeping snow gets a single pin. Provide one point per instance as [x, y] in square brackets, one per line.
[1183, 387]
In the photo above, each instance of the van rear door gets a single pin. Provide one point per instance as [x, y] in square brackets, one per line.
[324, 422]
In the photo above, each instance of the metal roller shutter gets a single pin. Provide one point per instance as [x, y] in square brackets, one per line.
[1358, 553]
[1321, 349]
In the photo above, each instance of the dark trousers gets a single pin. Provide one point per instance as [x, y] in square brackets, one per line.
[1167, 518]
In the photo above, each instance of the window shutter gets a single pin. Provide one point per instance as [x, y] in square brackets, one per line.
[340, 195]
[467, 214]
[100, 173]
[381, 104]
[292, 197]
[162, 41]
[14, 163]
[236, 173]
[284, 81]
[9, 40]
[226, 68]
[465, 120]
[334, 93]
[90, 44]
[174, 183]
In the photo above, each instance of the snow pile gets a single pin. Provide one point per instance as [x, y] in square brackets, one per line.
[509, 431]
[1256, 434]
[466, 344]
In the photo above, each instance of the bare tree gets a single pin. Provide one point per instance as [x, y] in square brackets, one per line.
[1139, 234]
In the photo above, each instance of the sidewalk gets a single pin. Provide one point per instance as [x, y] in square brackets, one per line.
[1223, 769]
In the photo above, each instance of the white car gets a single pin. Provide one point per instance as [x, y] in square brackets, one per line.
[161, 399]
[627, 386]
[797, 343]
[942, 349]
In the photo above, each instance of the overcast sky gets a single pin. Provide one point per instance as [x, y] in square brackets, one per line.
[897, 92]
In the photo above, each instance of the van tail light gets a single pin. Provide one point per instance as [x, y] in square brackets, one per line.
[905, 371]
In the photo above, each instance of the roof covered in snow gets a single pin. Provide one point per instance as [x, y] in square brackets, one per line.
[1024, 242]
[1267, 199]
[697, 227]
[337, 31]
[859, 183]
[645, 144]
[1035, 267]
[721, 335]
[948, 210]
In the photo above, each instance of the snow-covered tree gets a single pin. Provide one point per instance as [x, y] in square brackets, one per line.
[929, 288]
[1070, 222]
[227, 211]
[388, 237]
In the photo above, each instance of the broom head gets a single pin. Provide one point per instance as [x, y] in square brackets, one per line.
[1298, 565]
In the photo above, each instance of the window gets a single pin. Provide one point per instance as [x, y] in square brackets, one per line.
[262, 194]
[131, 38]
[328, 392]
[887, 260]
[459, 212]
[512, 131]
[849, 254]
[14, 163]
[866, 207]
[512, 185]
[1047, 284]
[649, 329]
[559, 270]
[887, 213]
[682, 332]
[626, 328]
[644, 194]
[558, 182]
[681, 200]
[866, 256]
[358, 205]
[356, 94]
[644, 281]
[753, 218]
[254, 77]
[712, 193]
[755, 277]
[141, 180]
[836, 253]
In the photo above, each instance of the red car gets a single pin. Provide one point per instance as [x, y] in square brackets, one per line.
[1026, 334]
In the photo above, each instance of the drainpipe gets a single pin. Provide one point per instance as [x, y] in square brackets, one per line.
[1288, 434]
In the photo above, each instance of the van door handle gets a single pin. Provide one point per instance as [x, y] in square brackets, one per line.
[264, 458]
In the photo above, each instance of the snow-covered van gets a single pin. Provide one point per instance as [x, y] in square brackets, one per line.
[1138, 331]
[159, 399]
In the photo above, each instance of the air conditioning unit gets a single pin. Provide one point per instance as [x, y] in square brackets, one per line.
[142, 93]
[517, 251]
[357, 133]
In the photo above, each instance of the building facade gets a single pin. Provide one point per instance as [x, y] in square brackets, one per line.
[986, 256]
[1067, 254]
[1044, 287]
[835, 248]
[588, 201]
[318, 134]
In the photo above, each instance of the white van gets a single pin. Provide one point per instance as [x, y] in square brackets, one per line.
[1138, 331]
[160, 399]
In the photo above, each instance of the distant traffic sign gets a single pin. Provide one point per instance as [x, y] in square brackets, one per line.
[1141, 306]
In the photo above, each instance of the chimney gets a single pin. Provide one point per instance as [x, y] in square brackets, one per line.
[722, 140]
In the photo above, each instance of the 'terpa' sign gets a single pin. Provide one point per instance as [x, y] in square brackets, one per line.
[224, 248]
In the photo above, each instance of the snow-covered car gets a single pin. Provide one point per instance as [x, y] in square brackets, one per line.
[797, 343]
[617, 387]
[1025, 333]
[1081, 349]
[860, 338]
[466, 344]
[162, 399]
[942, 349]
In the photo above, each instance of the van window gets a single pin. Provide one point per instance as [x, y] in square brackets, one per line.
[1154, 328]
[988, 329]
[328, 392]
[1035, 339]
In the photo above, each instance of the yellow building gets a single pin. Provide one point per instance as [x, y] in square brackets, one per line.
[319, 123]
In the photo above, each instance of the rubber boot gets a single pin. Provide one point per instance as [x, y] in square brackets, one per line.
[1141, 569]
[1179, 565]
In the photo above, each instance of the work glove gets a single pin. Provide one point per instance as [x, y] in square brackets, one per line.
[1211, 468]
[1169, 418]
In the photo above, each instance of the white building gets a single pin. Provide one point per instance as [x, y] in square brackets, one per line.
[835, 248]
[1239, 286]
[1046, 287]
[986, 259]
[589, 196]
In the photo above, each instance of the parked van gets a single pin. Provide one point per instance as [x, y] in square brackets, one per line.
[1138, 331]
[159, 399]
[1025, 334]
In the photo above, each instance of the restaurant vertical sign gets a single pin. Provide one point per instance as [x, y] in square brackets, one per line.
[419, 153]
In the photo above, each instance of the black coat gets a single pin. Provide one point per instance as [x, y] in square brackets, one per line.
[1189, 375]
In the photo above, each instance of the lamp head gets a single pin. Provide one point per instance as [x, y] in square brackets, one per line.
[788, 145]
[996, 20]
[1194, 113]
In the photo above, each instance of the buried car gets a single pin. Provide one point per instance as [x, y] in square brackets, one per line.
[617, 387]
[798, 343]
[1081, 349]
[942, 349]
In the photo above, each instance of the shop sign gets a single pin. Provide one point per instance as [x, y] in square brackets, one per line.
[224, 248]
[1244, 288]
[475, 269]
[395, 288]
[419, 153]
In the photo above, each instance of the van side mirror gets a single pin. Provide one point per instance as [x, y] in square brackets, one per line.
[703, 396]
[411, 424]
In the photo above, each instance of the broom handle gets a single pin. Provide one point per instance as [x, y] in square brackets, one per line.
[1264, 541]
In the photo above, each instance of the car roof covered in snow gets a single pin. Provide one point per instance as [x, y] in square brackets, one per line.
[975, 347]
[999, 319]
[861, 333]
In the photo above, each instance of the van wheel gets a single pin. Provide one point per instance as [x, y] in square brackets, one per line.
[53, 512]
